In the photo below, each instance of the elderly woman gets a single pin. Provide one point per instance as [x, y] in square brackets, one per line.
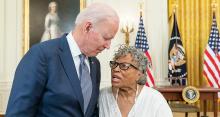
[128, 96]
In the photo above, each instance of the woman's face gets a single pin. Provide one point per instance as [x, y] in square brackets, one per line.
[53, 7]
[122, 78]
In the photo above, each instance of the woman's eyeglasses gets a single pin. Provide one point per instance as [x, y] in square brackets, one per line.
[122, 66]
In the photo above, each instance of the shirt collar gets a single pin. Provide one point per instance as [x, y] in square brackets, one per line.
[74, 48]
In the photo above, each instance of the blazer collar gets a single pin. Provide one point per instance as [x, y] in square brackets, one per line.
[69, 67]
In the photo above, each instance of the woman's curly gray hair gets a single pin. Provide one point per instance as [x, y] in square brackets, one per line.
[137, 56]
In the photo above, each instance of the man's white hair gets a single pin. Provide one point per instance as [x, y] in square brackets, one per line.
[96, 12]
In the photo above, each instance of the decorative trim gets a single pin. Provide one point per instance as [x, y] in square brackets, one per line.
[82, 4]
[26, 26]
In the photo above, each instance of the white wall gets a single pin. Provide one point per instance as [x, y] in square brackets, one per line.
[10, 45]
[156, 26]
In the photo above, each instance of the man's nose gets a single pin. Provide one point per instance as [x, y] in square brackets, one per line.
[107, 44]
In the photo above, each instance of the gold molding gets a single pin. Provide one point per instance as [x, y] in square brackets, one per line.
[26, 27]
[82, 4]
[26, 31]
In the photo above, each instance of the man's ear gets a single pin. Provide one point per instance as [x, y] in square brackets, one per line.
[87, 27]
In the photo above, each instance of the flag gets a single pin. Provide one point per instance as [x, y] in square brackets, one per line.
[211, 68]
[177, 73]
[141, 43]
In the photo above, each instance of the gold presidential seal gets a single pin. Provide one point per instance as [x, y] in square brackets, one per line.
[190, 94]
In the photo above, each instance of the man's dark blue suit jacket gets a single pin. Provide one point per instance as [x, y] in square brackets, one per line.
[46, 83]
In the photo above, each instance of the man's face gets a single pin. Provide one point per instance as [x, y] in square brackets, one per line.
[99, 37]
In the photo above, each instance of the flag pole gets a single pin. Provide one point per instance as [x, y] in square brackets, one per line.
[175, 21]
[141, 9]
[214, 5]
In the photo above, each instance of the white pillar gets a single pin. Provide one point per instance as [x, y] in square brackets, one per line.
[10, 45]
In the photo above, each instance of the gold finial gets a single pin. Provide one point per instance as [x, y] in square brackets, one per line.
[140, 13]
[214, 5]
[175, 5]
[141, 7]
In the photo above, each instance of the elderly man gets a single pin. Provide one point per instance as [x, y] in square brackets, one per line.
[61, 77]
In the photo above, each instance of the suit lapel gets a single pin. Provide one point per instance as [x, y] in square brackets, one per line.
[69, 67]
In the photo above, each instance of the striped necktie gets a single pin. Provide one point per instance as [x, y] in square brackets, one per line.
[85, 81]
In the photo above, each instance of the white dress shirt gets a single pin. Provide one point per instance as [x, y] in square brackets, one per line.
[75, 51]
